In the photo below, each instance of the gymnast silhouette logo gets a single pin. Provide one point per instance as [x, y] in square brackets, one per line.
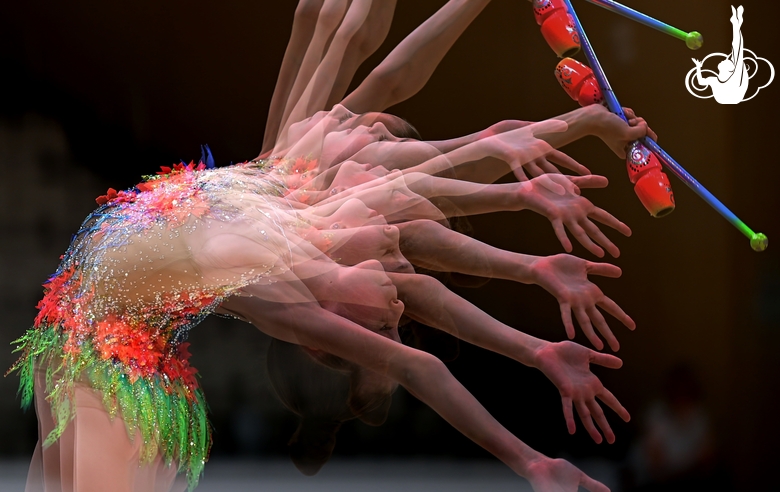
[730, 84]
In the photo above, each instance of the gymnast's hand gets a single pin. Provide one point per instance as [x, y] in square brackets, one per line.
[547, 164]
[615, 132]
[566, 278]
[557, 197]
[557, 475]
[567, 365]
[512, 147]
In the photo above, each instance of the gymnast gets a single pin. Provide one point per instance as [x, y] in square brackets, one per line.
[151, 262]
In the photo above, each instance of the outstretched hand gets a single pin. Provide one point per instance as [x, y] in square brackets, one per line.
[566, 278]
[557, 197]
[524, 152]
[556, 475]
[567, 365]
[548, 164]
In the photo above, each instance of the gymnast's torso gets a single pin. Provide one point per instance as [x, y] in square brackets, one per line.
[144, 268]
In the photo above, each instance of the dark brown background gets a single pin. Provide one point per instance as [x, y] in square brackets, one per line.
[97, 93]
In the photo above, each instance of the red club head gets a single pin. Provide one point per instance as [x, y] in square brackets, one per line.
[544, 8]
[559, 32]
[578, 82]
[651, 185]
[655, 193]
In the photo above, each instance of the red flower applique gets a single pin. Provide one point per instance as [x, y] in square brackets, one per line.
[103, 199]
[146, 186]
[178, 367]
[113, 196]
[51, 309]
[181, 168]
[132, 346]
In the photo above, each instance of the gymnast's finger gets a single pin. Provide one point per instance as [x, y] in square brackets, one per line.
[603, 269]
[568, 415]
[609, 400]
[595, 233]
[533, 169]
[598, 414]
[587, 421]
[606, 218]
[591, 485]
[650, 133]
[579, 233]
[605, 360]
[519, 173]
[612, 308]
[590, 181]
[640, 120]
[601, 324]
[587, 328]
[564, 160]
[560, 233]
[548, 168]
[637, 131]
[552, 185]
[565, 182]
[567, 321]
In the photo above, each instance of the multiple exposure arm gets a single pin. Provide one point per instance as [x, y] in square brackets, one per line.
[565, 363]
[421, 374]
[304, 22]
[409, 66]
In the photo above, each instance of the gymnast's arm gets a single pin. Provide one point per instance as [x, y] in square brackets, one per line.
[313, 87]
[423, 375]
[557, 197]
[407, 153]
[366, 41]
[430, 245]
[566, 364]
[355, 39]
[485, 158]
[329, 17]
[304, 22]
[409, 66]
[402, 73]
[522, 145]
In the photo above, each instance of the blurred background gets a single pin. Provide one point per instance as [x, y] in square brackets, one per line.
[95, 94]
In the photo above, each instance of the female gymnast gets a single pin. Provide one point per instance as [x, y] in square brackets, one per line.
[106, 362]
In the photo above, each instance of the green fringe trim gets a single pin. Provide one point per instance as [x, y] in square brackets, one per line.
[170, 417]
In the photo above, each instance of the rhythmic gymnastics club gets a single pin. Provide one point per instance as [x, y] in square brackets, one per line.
[693, 39]
[758, 241]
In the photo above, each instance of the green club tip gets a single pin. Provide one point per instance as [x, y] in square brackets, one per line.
[759, 242]
[694, 40]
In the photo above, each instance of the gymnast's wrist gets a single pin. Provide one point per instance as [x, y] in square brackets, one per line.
[599, 119]
[527, 458]
[536, 348]
[521, 197]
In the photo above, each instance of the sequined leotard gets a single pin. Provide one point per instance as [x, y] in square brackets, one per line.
[145, 267]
